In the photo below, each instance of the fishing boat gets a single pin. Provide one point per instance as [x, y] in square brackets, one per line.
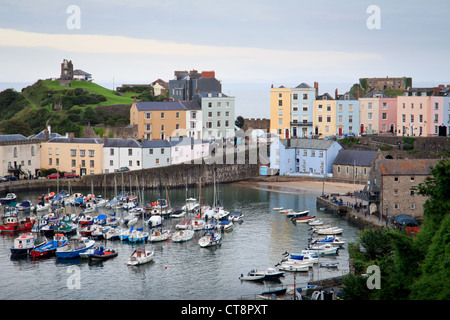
[102, 254]
[12, 223]
[9, 198]
[138, 235]
[24, 205]
[99, 232]
[112, 234]
[25, 243]
[86, 220]
[210, 239]
[324, 249]
[42, 206]
[191, 205]
[47, 196]
[328, 230]
[251, 277]
[236, 216]
[198, 224]
[74, 247]
[87, 230]
[159, 235]
[225, 225]
[297, 214]
[140, 256]
[184, 224]
[50, 247]
[269, 273]
[183, 235]
[300, 220]
[335, 241]
[65, 228]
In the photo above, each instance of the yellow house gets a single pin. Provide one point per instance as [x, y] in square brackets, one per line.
[280, 111]
[81, 156]
[324, 116]
[158, 120]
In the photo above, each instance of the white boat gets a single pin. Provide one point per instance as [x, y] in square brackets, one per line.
[89, 207]
[210, 239]
[236, 216]
[301, 220]
[286, 211]
[315, 222]
[154, 221]
[159, 235]
[328, 231]
[125, 233]
[198, 224]
[183, 235]
[184, 224]
[74, 247]
[138, 236]
[293, 214]
[324, 249]
[217, 213]
[335, 241]
[250, 277]
[130, 220]
[293, 267]
[269, 273]
[100, 202]
[24, 205]
[178, 214]
[191, 205]
[331, 265]
[277, 208]
[112, 234]
[225, 225]
[140, 256]
[41, 206]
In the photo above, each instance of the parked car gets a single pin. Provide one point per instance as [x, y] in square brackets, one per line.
[122, 169]
[11, 178]
[70, 175]
[53, 176]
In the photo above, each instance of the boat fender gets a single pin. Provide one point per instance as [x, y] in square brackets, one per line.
[20, 246]
[59, 243]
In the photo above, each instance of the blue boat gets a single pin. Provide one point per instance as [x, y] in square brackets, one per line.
[48, 249]
[74, 247]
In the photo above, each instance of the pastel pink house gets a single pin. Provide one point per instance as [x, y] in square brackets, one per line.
[388, 116]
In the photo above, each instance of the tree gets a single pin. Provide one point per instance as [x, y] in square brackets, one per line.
[239, 122]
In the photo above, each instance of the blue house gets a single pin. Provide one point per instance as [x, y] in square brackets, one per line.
[347, 115]
[304, 157]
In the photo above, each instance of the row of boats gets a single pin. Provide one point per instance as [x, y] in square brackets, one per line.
[325, 243]
[74, 235]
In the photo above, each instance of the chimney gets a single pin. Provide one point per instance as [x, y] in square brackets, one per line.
[357, 94]
[134, 99]
[104, 138]
[46, 135]
[336, 94]
[70, 137]
[316, 86]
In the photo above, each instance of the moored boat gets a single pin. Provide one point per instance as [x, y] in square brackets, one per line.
[140, 256]
[102, 254]
[74, 247]
[269, 273]
[9, 198]
[14, 224]
[50, 247]
[25, 243]
[183, 235]
[210, 239]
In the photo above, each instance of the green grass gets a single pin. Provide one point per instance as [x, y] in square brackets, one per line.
[110, 95]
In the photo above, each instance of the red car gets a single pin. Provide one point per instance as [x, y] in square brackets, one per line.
[53, 176]
[70, 175]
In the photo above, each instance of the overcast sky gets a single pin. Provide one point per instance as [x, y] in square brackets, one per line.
[282, 42]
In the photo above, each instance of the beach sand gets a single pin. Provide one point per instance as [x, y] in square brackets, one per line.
[305, 186]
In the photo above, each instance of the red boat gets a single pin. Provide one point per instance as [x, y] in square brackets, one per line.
[13, 224]
[47, 196]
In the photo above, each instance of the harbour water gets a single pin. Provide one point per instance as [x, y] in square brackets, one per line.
[182, 270]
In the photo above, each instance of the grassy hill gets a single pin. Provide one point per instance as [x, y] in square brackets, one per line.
[67, 109]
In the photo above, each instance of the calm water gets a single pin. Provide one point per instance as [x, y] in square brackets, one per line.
[182, 270]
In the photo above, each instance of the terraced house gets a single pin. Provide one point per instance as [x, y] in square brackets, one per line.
[75, 155]
[162, 120]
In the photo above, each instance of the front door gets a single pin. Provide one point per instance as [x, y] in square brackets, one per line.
[286, 135]
[340, 131]
[362, 128]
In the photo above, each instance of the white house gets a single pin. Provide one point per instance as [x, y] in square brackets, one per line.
[304, 157]
[119, 153]
[185, 150]
[156, 153]
[19, 155]
[81, 75]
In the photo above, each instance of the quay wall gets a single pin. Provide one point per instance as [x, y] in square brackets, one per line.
[171, 176]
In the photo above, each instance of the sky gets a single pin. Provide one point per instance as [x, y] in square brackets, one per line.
[250, 44]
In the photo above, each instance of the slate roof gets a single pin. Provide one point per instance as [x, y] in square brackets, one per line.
[326, 95]
[374, 92]
[186, 141]
[81, 72]
[156, 144]
[12, 137]
[41, 135]
[303, 85]
[214, 94]
[76, 140]
[316, 144]
[121, 143]
[406, 167]
[355, 157]
[167, 105]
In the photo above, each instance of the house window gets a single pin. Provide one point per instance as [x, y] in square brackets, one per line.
[412, 206]
[384, 116]
[148, 115]
[280, 103]
[130, 163]
[396, 179]
[91, 163]
[320, 154]
[313, 153]
[411, 179]
[157, 161]
[50, 161]
[162, 150]
[395, 192]
[177, 115]
[396, 206]
[57, 161]
[111, 163]
[150, 151]
[74, 163]
[305, 153]
[73, 152]
[339, 169]
[15, 152]
[411, 192]
[162, 115]
[57, 151]
[91, 153]
[295, 96]
[111, 152]
[32, 151]
[148, 127]
[130, 152]
[82, 153]
[49, 151]
[319, 119]
[305, 96]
